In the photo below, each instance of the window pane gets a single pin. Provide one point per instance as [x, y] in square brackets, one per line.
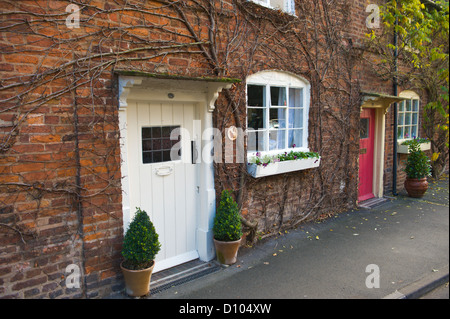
[147, 157]
[296, 118]
[414, 131]
[166, 144]
[255, 142]
[295, 138]
[295, 97]
[401, 106]
[401, 117]
[277, 96]
[156, 132]
[255, 118]
[157, 157]
[165, 131]
[146, 145]
[400, 133]
[146, 132]
[407, 118]
[364, 128]
[407, 132]
[277, 139]
[414, 118]
[277, 118]
[256, 95]
[157, 145]
[415, 105]
[166, 156]
[408, 105]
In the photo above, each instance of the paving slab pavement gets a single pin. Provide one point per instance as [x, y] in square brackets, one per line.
[402, 241]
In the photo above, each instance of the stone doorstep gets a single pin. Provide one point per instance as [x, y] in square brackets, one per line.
[181, 274]
[373, 202]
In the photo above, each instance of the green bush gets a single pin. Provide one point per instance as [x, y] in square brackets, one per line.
[141, 243]
[227, 222]
[418, 163]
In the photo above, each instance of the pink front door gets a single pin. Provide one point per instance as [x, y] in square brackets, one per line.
[366, 154]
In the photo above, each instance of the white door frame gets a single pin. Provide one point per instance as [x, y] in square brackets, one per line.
[205, 94]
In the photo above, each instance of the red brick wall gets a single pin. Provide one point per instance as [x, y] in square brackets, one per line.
[60, 179]
[372, 83]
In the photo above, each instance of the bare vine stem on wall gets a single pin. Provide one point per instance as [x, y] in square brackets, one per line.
[235, 38]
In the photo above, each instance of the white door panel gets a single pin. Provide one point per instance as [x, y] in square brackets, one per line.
[164, 188]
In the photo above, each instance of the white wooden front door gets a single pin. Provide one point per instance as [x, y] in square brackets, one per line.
[164, 187]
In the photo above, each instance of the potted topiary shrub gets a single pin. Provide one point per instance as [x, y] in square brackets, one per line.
[140, 247]
[227, 229]
[417, 169]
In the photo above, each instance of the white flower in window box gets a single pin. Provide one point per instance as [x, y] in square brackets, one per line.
[268, 165]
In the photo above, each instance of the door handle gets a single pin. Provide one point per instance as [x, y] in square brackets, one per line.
[164, 170]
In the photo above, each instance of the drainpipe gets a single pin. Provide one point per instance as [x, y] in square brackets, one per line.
[394, 168]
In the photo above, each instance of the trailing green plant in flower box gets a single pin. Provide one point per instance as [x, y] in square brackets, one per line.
[424, 145]
[266, 165]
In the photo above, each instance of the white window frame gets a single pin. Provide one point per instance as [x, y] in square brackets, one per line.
[288, 5]
[289, 81]
[410, 96]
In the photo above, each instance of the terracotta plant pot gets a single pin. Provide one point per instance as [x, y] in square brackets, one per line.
[226, 251]
[416, 187]
[137, 282]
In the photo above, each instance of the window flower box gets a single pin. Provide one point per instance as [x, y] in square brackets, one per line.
[283, 163]
[403, 147]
